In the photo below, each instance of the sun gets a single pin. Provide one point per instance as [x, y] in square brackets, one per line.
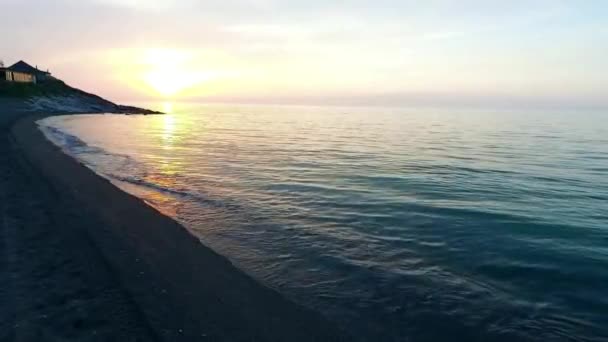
[170, 72]
[169, 82]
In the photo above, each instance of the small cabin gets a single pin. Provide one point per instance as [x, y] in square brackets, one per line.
[6, 74]
[16, 76]
[22, 72]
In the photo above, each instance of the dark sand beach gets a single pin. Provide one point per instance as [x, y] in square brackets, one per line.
[83, 261]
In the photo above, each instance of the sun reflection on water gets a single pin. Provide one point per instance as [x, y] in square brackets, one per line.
[168, 131]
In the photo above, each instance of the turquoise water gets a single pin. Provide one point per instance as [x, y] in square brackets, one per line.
[399, 224]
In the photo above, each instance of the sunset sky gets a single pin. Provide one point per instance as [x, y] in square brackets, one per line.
[542, 52]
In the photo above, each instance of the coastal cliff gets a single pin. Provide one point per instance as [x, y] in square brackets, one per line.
[57, 97]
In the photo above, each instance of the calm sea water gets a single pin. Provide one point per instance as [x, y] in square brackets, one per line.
[399, 224]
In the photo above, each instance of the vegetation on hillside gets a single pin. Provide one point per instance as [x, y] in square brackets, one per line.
[25, 90]
[56, 93]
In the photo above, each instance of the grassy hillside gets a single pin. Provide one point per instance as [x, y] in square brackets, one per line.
[56, 96]
[26, 90]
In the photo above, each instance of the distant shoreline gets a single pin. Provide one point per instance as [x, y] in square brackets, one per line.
[183, 289]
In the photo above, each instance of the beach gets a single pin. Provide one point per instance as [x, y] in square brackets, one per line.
[82, 260]
[392, 232]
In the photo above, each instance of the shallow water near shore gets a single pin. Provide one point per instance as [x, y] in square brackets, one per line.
[399, 224]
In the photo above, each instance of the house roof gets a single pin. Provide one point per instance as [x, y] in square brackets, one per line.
[21, 66]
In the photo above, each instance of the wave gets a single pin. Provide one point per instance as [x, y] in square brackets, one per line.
[182, 193]
[121, 167]
[103, 162]
[68, 142]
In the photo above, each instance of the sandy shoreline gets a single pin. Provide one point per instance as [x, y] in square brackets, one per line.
[174, 287]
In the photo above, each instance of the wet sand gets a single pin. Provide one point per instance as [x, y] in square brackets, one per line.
[82, 260]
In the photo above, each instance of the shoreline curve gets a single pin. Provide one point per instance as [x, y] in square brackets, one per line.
[184, 290]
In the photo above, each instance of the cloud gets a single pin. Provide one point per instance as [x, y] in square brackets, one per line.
[302, 47]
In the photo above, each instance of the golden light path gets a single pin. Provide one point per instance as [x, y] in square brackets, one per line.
[168, 131]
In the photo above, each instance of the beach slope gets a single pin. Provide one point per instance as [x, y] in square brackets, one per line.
[83, 260]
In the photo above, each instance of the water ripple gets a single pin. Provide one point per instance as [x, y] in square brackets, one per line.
[402, 225]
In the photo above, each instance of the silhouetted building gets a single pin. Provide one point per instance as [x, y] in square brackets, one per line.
[6, 74]
[23, 67]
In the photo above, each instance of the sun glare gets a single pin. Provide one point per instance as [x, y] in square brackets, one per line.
[168, 107]
[169, 74]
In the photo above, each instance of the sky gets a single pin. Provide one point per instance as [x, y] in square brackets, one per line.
[552, 53]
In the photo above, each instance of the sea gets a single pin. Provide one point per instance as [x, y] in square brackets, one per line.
[398, 224]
